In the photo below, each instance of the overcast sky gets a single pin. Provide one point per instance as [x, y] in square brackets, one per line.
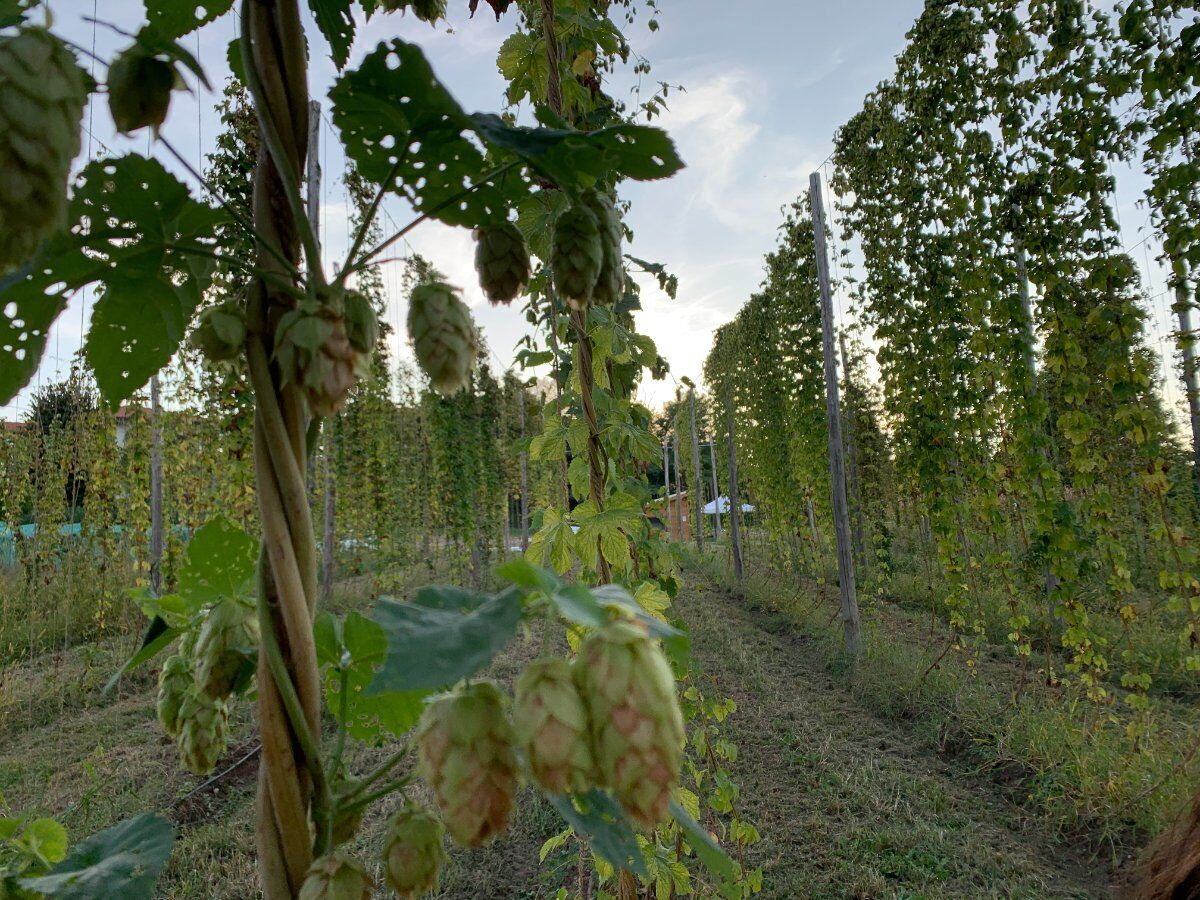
[766, 83]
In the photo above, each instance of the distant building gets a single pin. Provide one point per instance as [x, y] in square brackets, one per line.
[677, 517]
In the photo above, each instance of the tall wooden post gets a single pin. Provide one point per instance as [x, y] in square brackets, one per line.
[856, 508]
[712, 458]
[156, 488]
[678, 486]
[697, 484]
[735, 501]
[524, 475]
[1183, 312]
[837, 469]
[667, 489]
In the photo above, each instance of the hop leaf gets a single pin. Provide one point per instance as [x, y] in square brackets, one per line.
[42, 94]
[174, 681]
[336, 876]
[202, 731]
[413, 854]
[139, 90]
[443, 335]
[577, 255]
[637, 728]
[502, 261]
[551, 724]
[466, 756]
[227, 638]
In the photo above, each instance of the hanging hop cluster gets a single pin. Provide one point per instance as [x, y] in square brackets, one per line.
[551, 724]
[413, 854]
[636, 724]
[444, 336]
[227, 641]
[203, 731]
[221, 332]
[336, 876]
[139, 89]
[42, 95]
[325, 344]
[502, 261]
[465, 746]
[425, 10]
[585, 256]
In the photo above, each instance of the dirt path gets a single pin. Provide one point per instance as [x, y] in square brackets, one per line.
[846, 805]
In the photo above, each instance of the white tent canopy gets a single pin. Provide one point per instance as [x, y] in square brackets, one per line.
[710, 508]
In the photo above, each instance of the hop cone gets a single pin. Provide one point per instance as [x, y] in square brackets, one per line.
[362, 326]
[466, 756]
[202, 731]
[637, 727]
[229, 632]
[429, 10]
[610, 283]
[336, 876]
[551, 724]
[42, 93]
[174, 681]
[139, 90]
[577, 255]
[502, 261]
[443, 335]
[221, 332]
[413, 853]
[315, 352]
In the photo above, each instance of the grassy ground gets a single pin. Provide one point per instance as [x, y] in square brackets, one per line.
[850, 803]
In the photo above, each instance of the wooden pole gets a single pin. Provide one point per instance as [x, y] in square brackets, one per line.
[856, 509]
[697, 484]
[524, 475]
[667, 490]
[735, 502]
[1183, 311]
[837, 469]
[712, 458]
[678, 487]
[156, 488]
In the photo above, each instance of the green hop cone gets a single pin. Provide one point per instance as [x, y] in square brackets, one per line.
[577, 255]
[314, 352]
[444, 336]
[42, 95]
[466, 756]
[551, 724]
[413, 854]
[221, 332]
[362, 326]
[174, 681]
[139, 90]
[228, 637]
[336, 876]
[203, 726]
[637, 728]
[610, 283]
[502, 261]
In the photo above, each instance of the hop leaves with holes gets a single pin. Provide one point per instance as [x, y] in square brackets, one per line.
[42, 94]
[502, 261]
[139, 89]
[203, 729]
[637, 727]
[466, 756]
[444, 336]
[551, 724]
[336, 876]
[413, 854]
[226, 644]
[577, 254]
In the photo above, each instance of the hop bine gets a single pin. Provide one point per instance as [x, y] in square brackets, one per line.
[42, 95]
[637, 727]
[413, 854]
[466, 756]
[336, 876]
[551, 724]
[444, 337]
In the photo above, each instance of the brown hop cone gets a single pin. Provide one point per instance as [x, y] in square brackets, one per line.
[139, 90]
[228, 637]
[336, 876]
[174, 681]
[466, 756]
[413, 854]
[221, 332]
[551, 724]
[42, 94]
[314, 351]
[203, 723]
[637, 728]
[576, 255]
[502, 261]
[610, 283]
[444, 336]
